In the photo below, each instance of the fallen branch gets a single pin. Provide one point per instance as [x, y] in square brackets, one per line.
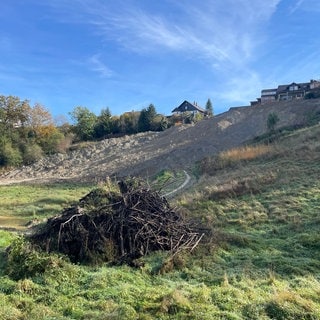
[118, 226]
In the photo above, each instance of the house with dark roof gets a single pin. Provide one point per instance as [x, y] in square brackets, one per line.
[186, 106]
[292, 91]
[289, 91]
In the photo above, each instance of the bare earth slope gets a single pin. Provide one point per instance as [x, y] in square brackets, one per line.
[177, 148]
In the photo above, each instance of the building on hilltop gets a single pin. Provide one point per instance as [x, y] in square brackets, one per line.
[187, 112]
[291, 91]
[186, 106]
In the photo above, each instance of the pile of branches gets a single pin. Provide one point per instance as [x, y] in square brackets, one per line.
[118, 226]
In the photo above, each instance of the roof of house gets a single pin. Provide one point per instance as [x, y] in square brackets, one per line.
[266, 92]
[187, 106]
[285, 87]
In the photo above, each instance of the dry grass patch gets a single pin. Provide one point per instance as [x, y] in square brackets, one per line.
[233, 157]
[245, 153]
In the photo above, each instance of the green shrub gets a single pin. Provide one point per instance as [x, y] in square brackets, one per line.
[9, 155]
[51, 143]
[7, 286]
[24, 261]
[272, 121]
[32, 153]
[7, 310]
[5, 238]
[289, 310]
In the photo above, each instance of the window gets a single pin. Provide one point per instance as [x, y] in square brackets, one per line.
[293, 88]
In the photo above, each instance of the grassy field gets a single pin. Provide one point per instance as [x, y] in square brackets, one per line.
[262, 261]
[21, 204]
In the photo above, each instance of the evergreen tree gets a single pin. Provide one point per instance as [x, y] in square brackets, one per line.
[147, 118]
[103, 125]
[209, 108]
[143, 121]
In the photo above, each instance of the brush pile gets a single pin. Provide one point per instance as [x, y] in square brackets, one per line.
[117, 225]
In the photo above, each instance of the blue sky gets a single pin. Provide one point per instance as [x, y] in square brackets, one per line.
[126, 54]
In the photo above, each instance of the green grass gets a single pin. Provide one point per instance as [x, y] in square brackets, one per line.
[23, 203]
[262, 262]
[166, 181]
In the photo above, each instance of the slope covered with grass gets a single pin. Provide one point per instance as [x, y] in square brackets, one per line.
[262, 262]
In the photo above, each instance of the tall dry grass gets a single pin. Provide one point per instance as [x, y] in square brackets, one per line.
[234, 156]
[245, 153]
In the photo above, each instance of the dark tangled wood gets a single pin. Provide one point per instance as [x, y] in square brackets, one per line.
[118, 226]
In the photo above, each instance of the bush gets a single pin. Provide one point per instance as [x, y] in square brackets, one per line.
[24, 261]
[64, 144]
[312, 95]
[272, 121]
[9, 156]
[50, 143]
[31, 153]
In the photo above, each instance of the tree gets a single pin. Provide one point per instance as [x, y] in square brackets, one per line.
[43, 131]
[39, 116]
[14, 112]
[209, 108]
[40, 121]
[103, 125]
[147, 118]
[272, 120]
[129, 122]
[9, 154]
[85, 122]
[160, 123]
[26, 132]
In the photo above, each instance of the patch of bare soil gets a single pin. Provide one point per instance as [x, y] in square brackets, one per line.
[12, 223]
[177, 148]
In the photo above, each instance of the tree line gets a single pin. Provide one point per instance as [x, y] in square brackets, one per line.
[88, 126]
[27, 132]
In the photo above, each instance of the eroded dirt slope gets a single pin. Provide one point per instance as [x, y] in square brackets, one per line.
[177, 148]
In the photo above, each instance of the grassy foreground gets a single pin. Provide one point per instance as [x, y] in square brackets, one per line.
[21, 204]
[263, 261]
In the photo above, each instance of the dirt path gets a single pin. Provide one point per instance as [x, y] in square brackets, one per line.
[182, 186]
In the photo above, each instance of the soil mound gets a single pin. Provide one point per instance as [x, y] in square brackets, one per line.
[117, 224]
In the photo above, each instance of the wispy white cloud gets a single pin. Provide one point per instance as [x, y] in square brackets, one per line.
[296, 6]
[224, 34]
[211, 30]
[95, 64]
[305, 5]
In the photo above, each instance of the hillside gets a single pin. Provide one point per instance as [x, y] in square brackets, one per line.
[260, 262]
[177, 148]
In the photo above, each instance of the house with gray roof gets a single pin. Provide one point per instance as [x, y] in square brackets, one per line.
[186, 106]
[289, 91]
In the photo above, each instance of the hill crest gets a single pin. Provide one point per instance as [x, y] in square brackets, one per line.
[177, 148]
